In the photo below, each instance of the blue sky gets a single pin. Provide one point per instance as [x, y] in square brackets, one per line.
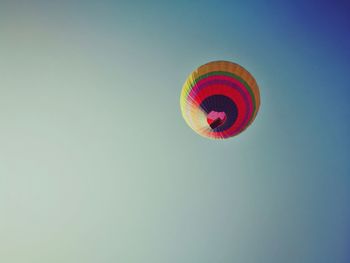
[97, 164]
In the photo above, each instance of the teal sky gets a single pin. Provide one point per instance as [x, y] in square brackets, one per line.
[97, 164]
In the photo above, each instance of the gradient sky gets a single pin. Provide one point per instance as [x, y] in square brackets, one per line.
[97, 164]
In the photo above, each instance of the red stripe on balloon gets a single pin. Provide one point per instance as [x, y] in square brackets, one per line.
[244, 111]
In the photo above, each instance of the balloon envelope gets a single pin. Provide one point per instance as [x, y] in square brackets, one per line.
[219, 99]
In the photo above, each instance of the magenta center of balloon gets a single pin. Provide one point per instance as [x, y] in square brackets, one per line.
[216, 119]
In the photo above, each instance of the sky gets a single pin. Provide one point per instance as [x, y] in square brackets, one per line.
[97, 164]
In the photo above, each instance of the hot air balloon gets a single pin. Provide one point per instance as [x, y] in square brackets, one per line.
[219, 100]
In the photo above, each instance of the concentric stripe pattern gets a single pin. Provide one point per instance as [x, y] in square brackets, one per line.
[220, 99]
